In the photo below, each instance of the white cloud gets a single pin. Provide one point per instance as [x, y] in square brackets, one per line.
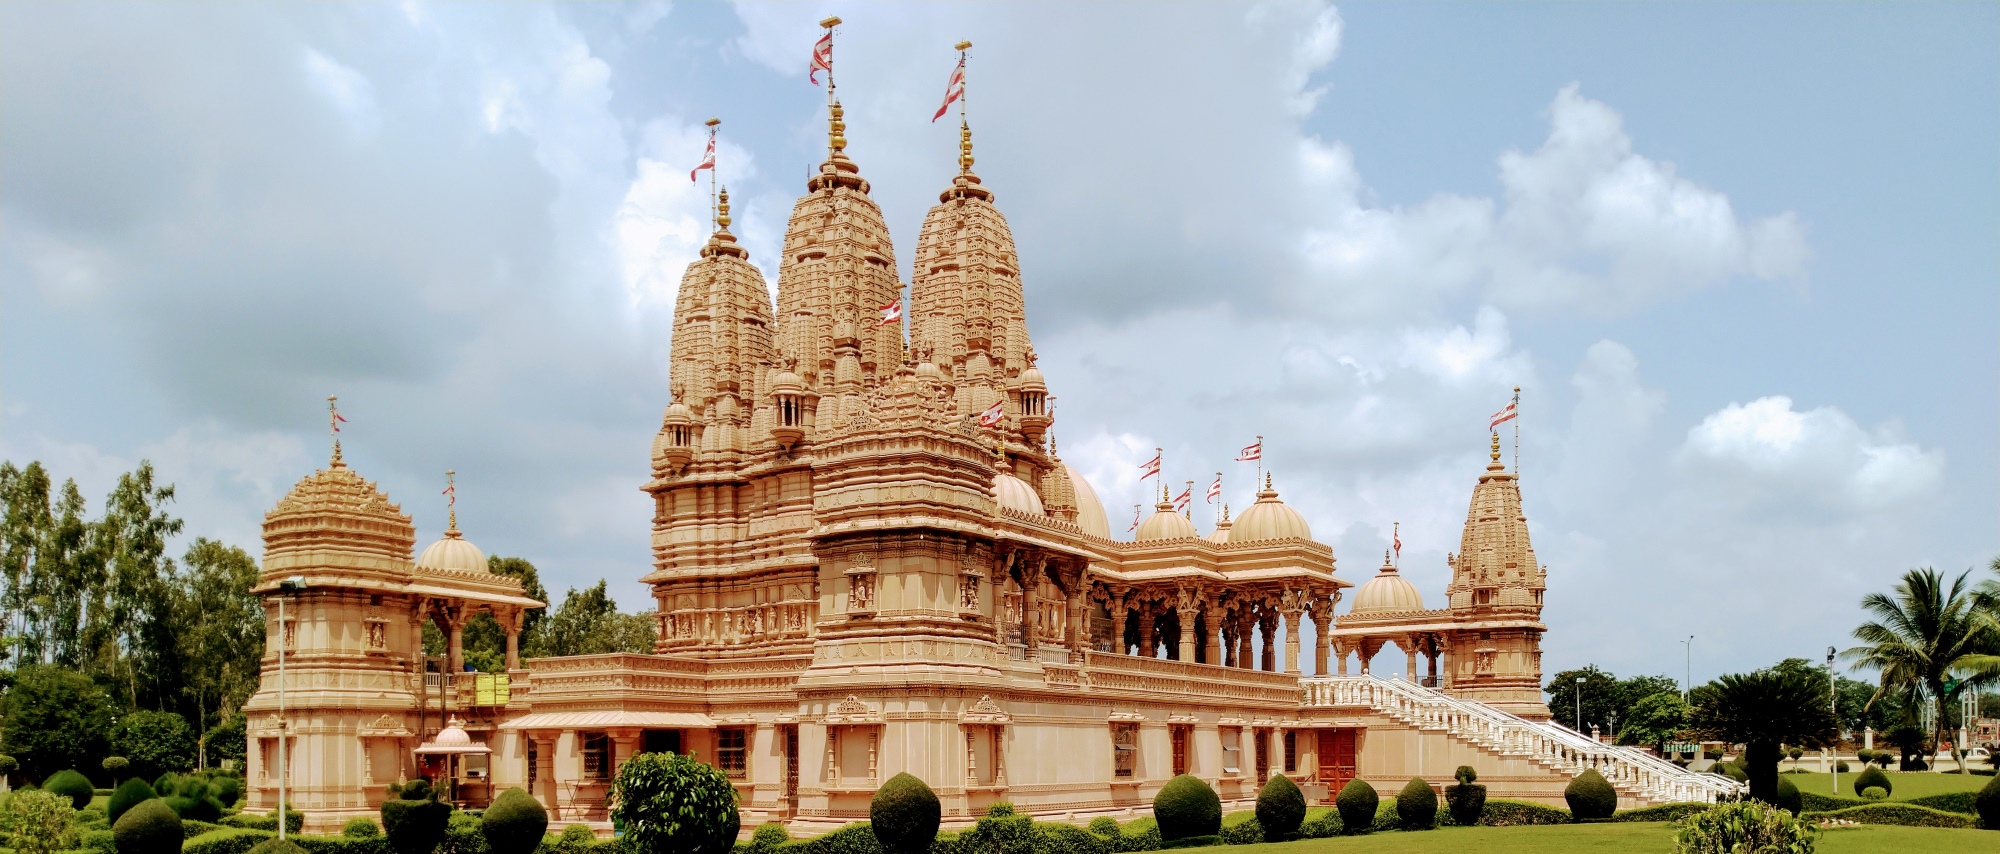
[664, 220]
[1817, 455]
[343, 87]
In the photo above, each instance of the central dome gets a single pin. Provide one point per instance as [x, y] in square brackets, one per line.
[1269, 519]
[1089, 511]
[453, 552]
[1165, 524]
[1387, 593]
[1015, 494]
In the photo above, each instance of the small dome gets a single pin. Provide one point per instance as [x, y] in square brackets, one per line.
[1221, 533]
[1032, 377]
[1387, 593]
[678, 413]
[1089, 511]
[1269, 519]
[928, 370]
[1015, 494]
[1165, 524]
[335, 509]
[453, 552]
[787, 381]
[453, 735]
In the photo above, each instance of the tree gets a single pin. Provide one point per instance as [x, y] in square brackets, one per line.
[1929, 640]
[1654, 720]
[154, 742]
[588, 623]
[1601, 696]
[674, 804]
[132, 536]
[223, 638]
[24, 525]
[1763, 711]
[55, 719]
[485, 641]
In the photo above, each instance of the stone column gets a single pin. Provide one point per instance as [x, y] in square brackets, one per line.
[512, 624]
[1079, 621]
[1030, 618]
[1322, 618]
[543, 787]
[1292, 641]
[1246, 621]
[1268, 661]
[1187, 608]
[1343, 650]
[1214, 626]
[454, 654]
[1148, 641]
[1119, 616]
[1410, 655]
[1432, 646]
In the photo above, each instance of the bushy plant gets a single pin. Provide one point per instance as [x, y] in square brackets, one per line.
[1501, 812]
[56, 718]
[1281, 808]
[904, 815]
[1987, 804]
[1865, 755]
[1416, 806]
[415, 825]
[41, 822]
[276, 846]
[149, 827]
[577, 835]
[128, 794]
[154, 742]
[363, 827]
[1661, 812]
[1793, 753]
[1357, 803]
[228, 790]
[1590, 796]
[1187, 807]
[771, 834]
[1743, 826]
[1055, 836]
[674, 804]
[1873, 778]
[1467, 800]
[1002, 830]
[166, 783]
[1874, 793]
[1900, 814]
[1242, 828]
[514, 823]
[1788, 797]
[1104, 826]
[70, 784]
[116, 767]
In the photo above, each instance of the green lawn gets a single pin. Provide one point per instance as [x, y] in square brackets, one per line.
[1907, 785]
[1628, 836]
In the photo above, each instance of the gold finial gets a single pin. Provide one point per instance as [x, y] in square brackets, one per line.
[451, 501]
[722, 210]
[1267, 481]
[831, 22]
[961, 46]
[1225, 511]
[964, 147]
[712, 122]
[835, 141]
[333, 420]
[1496, 447]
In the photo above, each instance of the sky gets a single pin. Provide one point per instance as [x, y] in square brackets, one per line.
[1741, 259]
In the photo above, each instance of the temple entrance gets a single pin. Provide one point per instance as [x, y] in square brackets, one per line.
[792, 770]
[662, 741]
[1336, 759]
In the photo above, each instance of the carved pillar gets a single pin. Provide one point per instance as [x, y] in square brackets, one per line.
[1432, 650]
[1119, 616]
[1294, 607]
[1322, 617]
[1245, 621]
[1079, 622]
[512, 624]
[1410, 653]
[454, 655]
[1268, 661]
[1214, 626]
[1148, 641]
[1031, 579]
[1343, 650]
[1187, 607]
[624, 743]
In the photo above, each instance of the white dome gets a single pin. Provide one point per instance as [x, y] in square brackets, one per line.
[454, 553]
[1165, 524]
[1221, 533]
[1269, 519]
[1089, 511]
[1015, 494]
[1387, 593]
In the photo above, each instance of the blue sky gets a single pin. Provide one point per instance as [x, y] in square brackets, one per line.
[1741, 258]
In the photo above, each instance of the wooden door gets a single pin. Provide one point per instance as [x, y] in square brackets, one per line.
[1336, 758]
[792, 769]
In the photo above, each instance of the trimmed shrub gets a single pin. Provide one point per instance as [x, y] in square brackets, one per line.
[70, 784]
[128, 794]
[770, 835]
[1788, 797]
[1733, 771]
[1590, 797]
[514, 823]
[1139, 834]
[1505, 813]
[294, 820]
[852, 839]
[1873, 777]
[1357, 803]
[668, 803]
[1865, 755]
[1281, 808]
[165, 783]
[1187, 807]
[228, 790]
[1744, 826]
[1965, 802]
[116, 767]
[462, 836]
[1052, 837]
[904, 815]
[1192, 842]
[228, 840]
[1467, 800]
[1320, 823]
[1465, 775]
[99, 840]
[1242, 828]
[415, 826]
[149, 827]
[42, 823]
[1874, 793]
[577, 834]
[275, 845]
[363, 827]
[1416, 806]
[1906, 815]
[1987, 804]
[1663, 812]
[1104, 826]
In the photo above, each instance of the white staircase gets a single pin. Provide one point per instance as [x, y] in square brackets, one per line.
[1635, 773]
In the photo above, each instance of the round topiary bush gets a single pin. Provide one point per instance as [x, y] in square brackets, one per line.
[1281, 808]
[149, 827]
[1987, 803]
[1789, 798]
[1416, 805]
[674, 804]
[1733, 771]
[276, 846]
[1465, 775]
[904, 815]
[1875, 793]
[1873, 777]
[1467, 800]
[9, 764]
[70, 784]
[1104, 826]
[415, 826]
[117, 767]
[577, 834]
[165, 783]
[1590, 797]
[1357, 803]
[769, 835]
[514, 823]
[128, 795]
[363, 827]
[228, 790]
[1187, 807]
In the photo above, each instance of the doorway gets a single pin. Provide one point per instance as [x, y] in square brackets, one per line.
[1336, 758]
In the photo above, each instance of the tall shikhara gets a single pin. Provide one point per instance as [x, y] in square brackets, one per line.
[722, 341]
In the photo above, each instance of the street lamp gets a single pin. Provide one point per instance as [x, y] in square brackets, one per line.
[1687, 690]
[1579, 704]
[1833, 704]
[286, 588]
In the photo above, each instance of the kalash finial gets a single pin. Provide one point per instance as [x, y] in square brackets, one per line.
[722, 211]
[1496, 451]
[964, 127]
[333, 420]
[451, 501]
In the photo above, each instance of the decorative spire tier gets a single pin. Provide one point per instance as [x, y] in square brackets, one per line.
[722, 346]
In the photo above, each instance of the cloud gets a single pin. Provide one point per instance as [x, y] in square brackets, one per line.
[344, 87]
[1767, 449]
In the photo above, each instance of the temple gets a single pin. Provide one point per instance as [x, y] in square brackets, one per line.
[857, 575]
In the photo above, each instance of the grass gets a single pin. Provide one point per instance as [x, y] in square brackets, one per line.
[1907, 785]
[1629, 836]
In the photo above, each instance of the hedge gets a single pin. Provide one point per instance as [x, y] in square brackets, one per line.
[856, 838]
[1662, 812]
[294, 821]
[1965, 802]
[1506, 813]
[1242, 828]
[1060, 838]
[1281, 807]
[228, 840]
[1903, 814]
[1139, 834]
[99, 840]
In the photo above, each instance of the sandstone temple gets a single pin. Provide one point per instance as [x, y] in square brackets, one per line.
[856, 575]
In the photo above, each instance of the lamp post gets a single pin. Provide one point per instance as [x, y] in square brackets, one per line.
[1687, 685]
[1613, 725]
[1833, 704]
[1579, 704]
[286, 588]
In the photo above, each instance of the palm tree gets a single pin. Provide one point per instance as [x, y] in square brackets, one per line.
[1930, 640]
[1766, 710]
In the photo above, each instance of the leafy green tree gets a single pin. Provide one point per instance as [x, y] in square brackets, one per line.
[1602, 693]
[588, 623]
[223, 639]
[1654, 720]
[24, 525]
[674, 804]
[1928, 639]
[228, 740]
[55, 719]
[485, 641]
[154, 742]
[1764, 711]
[133, 536]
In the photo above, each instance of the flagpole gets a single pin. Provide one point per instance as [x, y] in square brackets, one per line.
[712, 123]
[1260, 462]
[1517, 435]
[829, 23]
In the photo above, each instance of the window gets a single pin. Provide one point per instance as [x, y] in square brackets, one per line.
[1180, 739]
[1291, 751]
[1263, 737]
[1232, 750]
[596, 755]
[732, 751]
[1482, 597]
[1125, 749]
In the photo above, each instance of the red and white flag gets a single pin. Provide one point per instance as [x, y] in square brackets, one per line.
[1135, 519]
[1252, 451]
[1397, 542]
[1504, 415]
[337, 421]
[953, 89]
[1150, 467]
[1215, 489]
[1182, 500]
[993, 414]
[707, 159]
[891, 313]
[822, 58]
[452, 491]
